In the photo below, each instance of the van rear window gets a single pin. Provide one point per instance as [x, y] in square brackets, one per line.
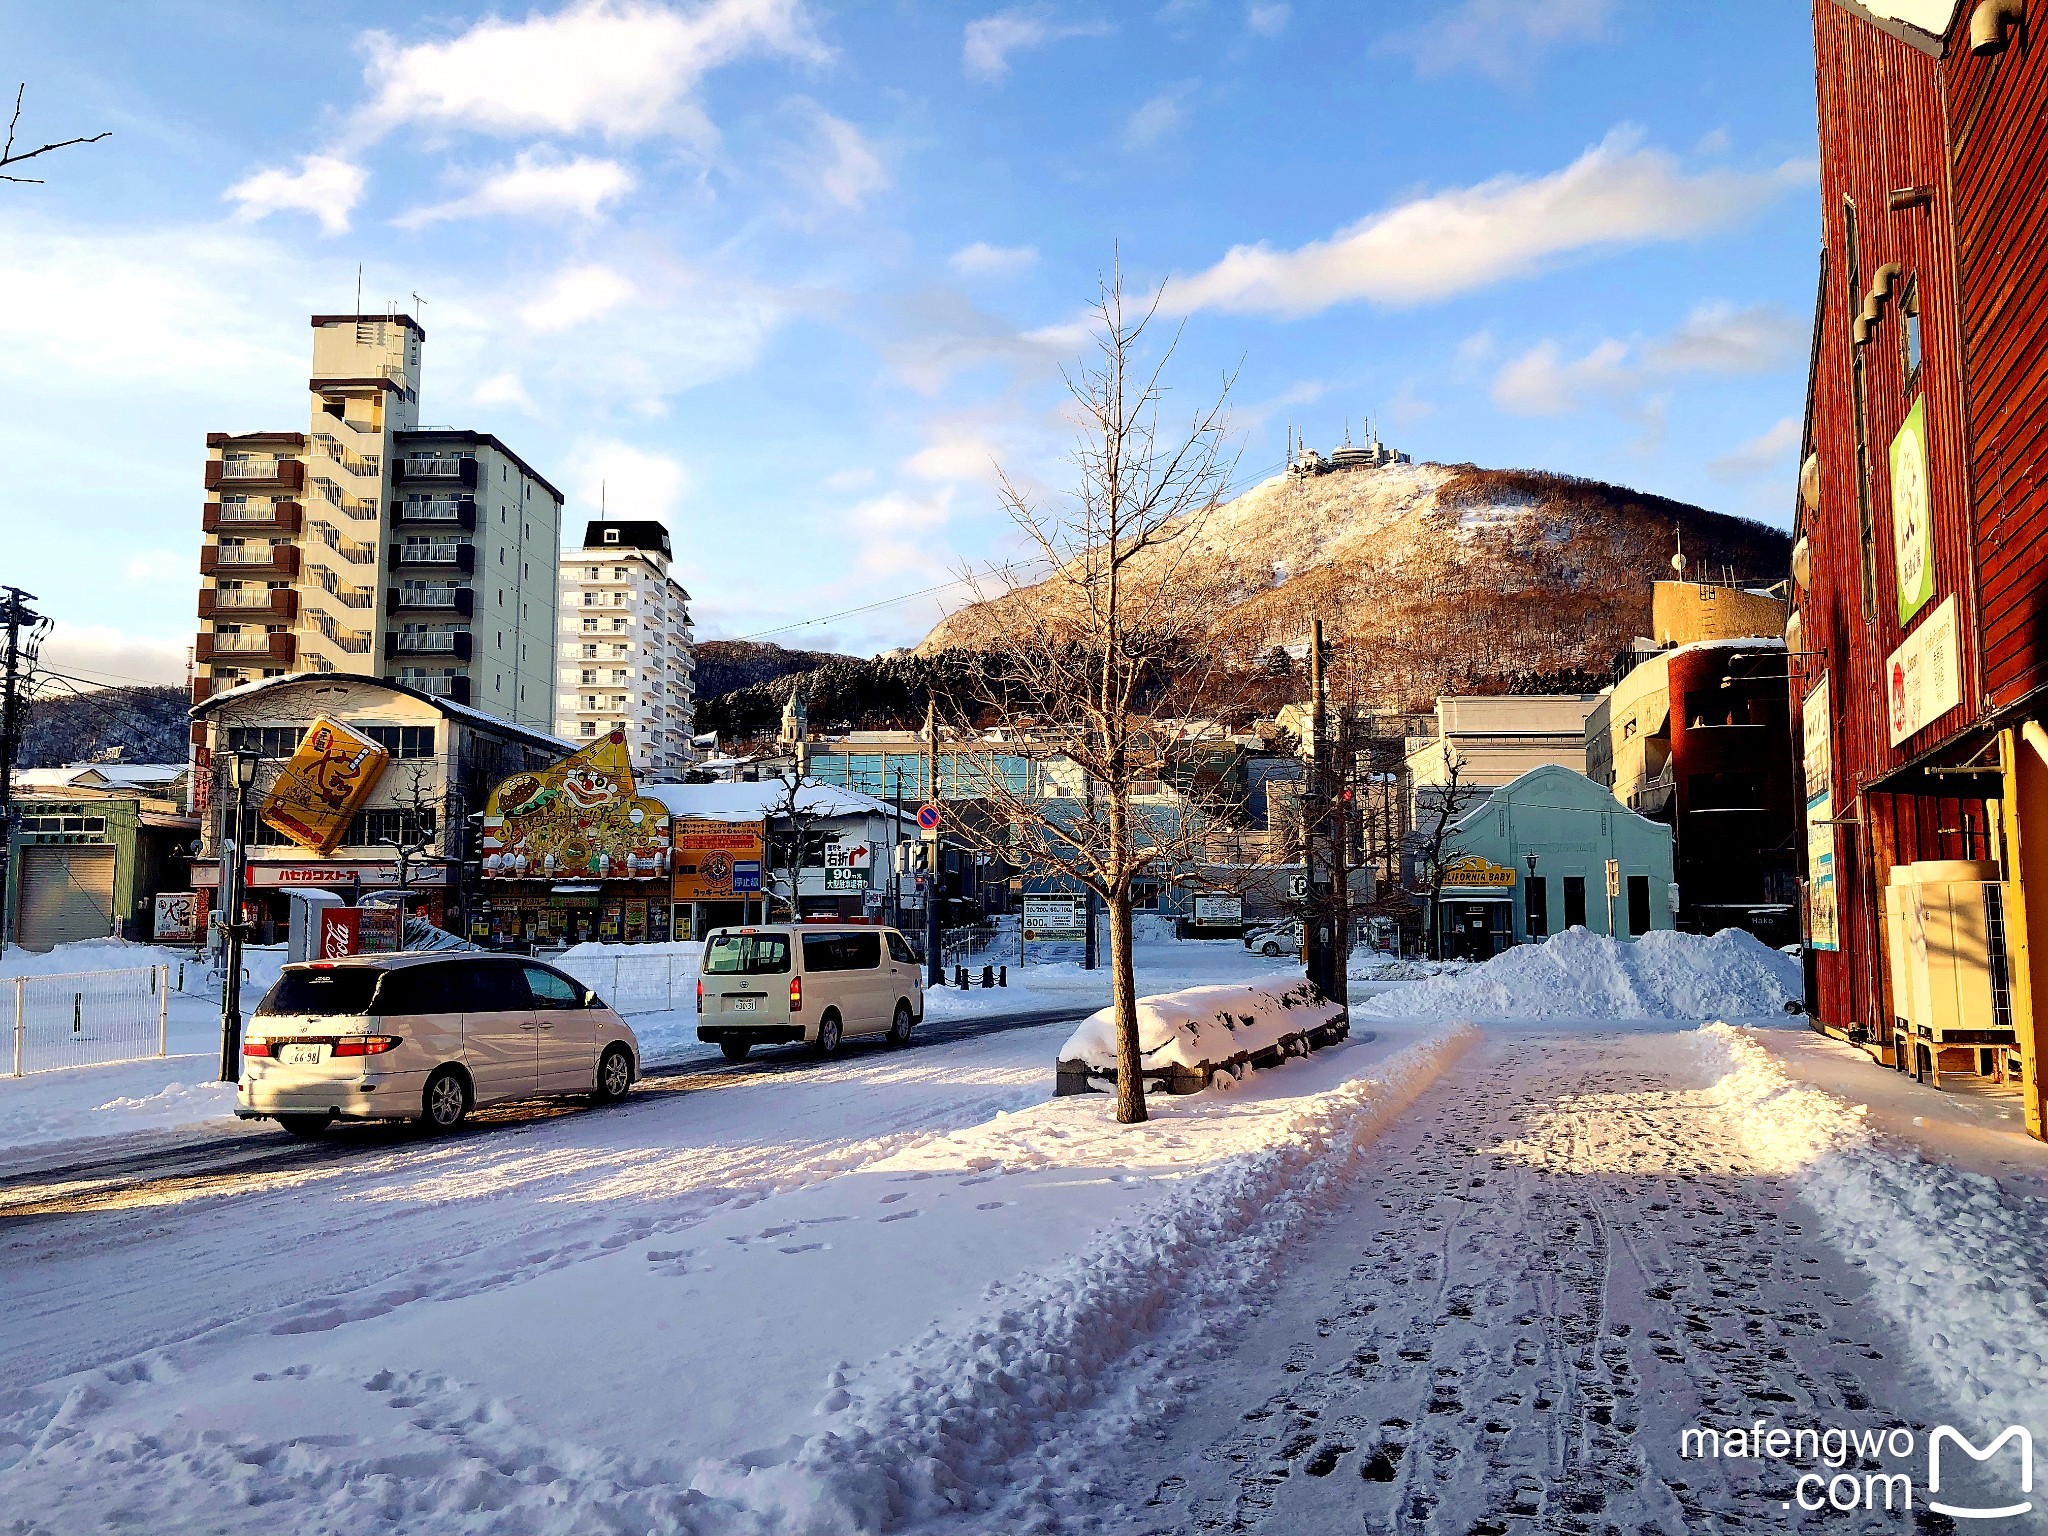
[747, 954]
[321, 994]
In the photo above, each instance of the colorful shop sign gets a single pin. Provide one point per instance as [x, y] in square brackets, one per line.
[1818, 726]
[1923, 677]
[1475, 871]
[577, 820]
[1823, 922]
[1912, 514]
[717, 860]
[323, 785]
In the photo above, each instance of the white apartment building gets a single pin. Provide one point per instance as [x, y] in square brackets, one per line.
[628, 653]
[368, 545]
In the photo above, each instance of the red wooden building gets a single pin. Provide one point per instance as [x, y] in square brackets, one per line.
[1920, 638]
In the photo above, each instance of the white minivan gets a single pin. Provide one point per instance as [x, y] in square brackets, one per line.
[426, 1037]
[815, 983]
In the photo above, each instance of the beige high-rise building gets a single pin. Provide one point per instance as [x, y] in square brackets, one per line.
[368, 545]
[629, 653]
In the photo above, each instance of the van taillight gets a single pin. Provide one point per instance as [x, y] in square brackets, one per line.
[700, 994]
[365, 1045]
[256, 1048]
[796, 994]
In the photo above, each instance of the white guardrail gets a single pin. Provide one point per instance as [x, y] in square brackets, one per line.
[90, 1018]
[637, 983]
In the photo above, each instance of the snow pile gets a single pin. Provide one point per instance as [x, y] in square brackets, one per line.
[971, 1398]
[88, 1102]
[1382, 967]
[1584, 975]
[1206, 1024]
[1960, 1266]
[91, 955]
[689, 949]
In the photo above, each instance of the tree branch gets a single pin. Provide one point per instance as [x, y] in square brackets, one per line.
[9, 157]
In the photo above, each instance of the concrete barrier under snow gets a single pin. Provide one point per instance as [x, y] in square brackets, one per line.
[1185, 1038]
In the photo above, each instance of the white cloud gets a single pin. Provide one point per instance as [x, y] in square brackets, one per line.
[986, 44]
[1268, 20]
[838, 161]
[625, 481]
[1716, 338]
[1158, 117]
[897, 513]
[856, 478]
[1447, 243]
[1542, 383]
[625, 68]
[1719, 338]
[576, 295]
[955, 455]
[111, 656]
[984, 260]
[326, 187]
[504, 389]
[152, 565]
[1769, 452]
[538, 184]
[1501, 38]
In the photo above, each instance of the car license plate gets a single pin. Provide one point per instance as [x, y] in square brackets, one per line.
[740, 1004]
[303, 1055]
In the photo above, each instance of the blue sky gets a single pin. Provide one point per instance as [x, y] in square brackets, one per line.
[793, 275]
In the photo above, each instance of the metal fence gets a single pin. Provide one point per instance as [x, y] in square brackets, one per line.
[637, 983]
[90, 1018]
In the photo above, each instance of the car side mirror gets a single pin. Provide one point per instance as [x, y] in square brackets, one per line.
[591, 999]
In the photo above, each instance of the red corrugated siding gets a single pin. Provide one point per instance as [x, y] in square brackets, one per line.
[1998, 124]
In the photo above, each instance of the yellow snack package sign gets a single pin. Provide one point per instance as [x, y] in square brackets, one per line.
[330, 775]
[580, 819]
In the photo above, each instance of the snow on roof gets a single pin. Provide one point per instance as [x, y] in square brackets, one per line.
[446, 706]
[101, 776]
[1734, 643]
[751, 801]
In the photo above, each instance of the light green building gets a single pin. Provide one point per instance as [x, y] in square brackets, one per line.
[1533, 859]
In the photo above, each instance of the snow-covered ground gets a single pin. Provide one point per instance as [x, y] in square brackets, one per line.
[1441, 1277]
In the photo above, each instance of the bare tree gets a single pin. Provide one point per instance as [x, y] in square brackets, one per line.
[9, 157]
[1433, 834]
[1105, 651]
[799, 836]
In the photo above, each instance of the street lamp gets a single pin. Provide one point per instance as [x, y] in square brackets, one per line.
[1529, 895]
[241, 773]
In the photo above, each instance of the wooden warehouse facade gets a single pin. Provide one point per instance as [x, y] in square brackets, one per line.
[1919, 644]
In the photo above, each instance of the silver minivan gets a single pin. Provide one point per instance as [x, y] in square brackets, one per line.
[426, 1037]
[814, 983]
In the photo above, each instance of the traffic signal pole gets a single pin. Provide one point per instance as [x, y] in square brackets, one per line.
[934, 969]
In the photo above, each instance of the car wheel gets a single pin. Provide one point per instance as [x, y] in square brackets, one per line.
[305, 1127]
[614, 1075]
[735, 1050]
[899, 1027]
[445, 1101]
[1270, 950]
[828, 1035]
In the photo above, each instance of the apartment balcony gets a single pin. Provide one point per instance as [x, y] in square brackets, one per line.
[444, 512]
[275, 564]
[256, 471]
[453, 689]
[438, 471]
[249, 649]
[451, 644]
[286, 519]
[255, 605]
[429, 597]
[445, 554]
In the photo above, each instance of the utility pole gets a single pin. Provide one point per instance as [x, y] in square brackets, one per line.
[1315, 938]
[25, 631]
[934, 967]
[241, 773]
[895, 833]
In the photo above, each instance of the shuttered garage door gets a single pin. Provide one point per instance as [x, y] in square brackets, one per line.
[66, 894]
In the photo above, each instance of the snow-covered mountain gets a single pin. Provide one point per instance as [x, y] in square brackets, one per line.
[1432, 576]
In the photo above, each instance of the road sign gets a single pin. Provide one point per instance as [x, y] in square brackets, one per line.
[1297, 886]
[746, 876]
[928, 817]
[849, 856]
[1055, 920]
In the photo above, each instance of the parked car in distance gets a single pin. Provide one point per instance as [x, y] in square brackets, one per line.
[812, 983]
[1274, 939]
[426, 1037]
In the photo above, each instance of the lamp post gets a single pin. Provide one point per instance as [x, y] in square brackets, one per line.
[241, 774]
[1528, 899]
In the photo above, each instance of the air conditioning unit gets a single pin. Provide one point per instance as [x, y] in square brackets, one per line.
[1951, 982]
